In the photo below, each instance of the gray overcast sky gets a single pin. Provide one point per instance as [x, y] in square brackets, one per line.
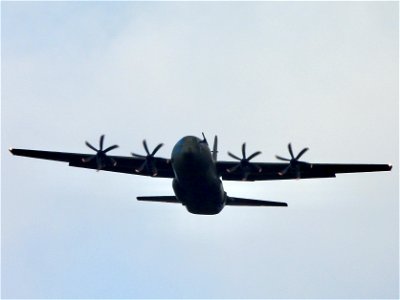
[322, 75]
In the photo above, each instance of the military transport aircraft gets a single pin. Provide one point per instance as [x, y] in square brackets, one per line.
[197, 173]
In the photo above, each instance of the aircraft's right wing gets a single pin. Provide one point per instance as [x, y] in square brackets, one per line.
[123, 164]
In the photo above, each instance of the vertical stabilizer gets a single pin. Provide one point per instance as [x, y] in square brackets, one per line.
[215, 149]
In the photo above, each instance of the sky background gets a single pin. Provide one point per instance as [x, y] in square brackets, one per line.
[319, 75]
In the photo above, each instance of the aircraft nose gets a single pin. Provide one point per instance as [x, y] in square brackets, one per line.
[186, 148]
[188, 152]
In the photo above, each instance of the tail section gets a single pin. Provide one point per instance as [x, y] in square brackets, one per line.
[215, 149]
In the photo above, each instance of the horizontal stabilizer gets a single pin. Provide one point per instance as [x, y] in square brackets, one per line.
[167, 199]
[251, 202]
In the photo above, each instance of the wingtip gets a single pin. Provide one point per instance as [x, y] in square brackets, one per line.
[11, 150]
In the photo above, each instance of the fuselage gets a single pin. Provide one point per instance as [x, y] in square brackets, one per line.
[196, 183]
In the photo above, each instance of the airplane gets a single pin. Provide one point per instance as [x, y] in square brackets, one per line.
[197, 174]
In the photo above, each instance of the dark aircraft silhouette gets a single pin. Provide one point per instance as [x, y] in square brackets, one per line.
[197, 173]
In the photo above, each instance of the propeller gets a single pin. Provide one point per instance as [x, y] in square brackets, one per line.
[294, 163]
[102, 160]
[149, 162]
[244, 163]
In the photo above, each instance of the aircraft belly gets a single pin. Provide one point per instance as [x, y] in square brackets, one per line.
[201, 197]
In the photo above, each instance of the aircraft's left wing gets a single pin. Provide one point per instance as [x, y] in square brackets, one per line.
[123, 164]
[281, 171]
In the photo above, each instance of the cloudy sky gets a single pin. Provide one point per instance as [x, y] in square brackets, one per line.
[319, 75]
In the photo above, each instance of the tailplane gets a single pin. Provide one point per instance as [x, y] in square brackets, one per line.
[251, 202]
[167, 199]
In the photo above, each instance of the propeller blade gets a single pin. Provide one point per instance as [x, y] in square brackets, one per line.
[111, 148]
[253, 155]
[140, 169]
[301, 153]
[233, 169]
[281, 173]
[154, 171]
[282, 158]
[156, 149]
[145, 147]
[101, 142]
[88, 159]
[90, 146]
[113, 162]
[244, 150]
[257, 167]
[137, 155]
[100, 163]
[233, 156]
[245, 176]
[291, 150]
